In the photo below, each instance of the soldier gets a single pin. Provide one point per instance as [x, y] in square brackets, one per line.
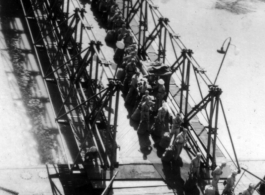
[145, 96]
[160, 126]
[132, 94]
[128, 39]
[91, 155]
[130, 70]
[113, 10]
[180, 141]
[144, 123]
[131, 48]
[176, 124]
[122, 32]
[230, 184]
[114, 18]
[140, 91]
[161, 92]
[195, 165]
[249, 191]
[142, 88]
[218, 171]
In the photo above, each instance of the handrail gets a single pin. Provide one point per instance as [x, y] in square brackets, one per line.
[253, 175]
[230, 137]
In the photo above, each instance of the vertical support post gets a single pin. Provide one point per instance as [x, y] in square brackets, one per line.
[123, 7]
[160, 46]
[210, 131]
[141, 23]
[67, 8]
[183, 86]
[187, 85]
[215, 93]
[215, 130]
[81, 36]
[165, 45]
[109, 113]
[129, 3]
[114, 153]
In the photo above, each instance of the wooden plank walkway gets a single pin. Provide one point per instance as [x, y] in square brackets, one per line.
[127, 137]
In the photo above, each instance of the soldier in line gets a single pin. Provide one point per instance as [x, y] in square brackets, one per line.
[145, 96]
[195, 165]
[132, 94]
[176, 124]
[160, 125]
[128, 58]
[131, 49]
[145, 117]
[230, 184]
[113, 10]
[121, 32]
[130, 70]
[141, 90]
[128, 39]
[161, 92]
[248, 191]
[218, 171]
[180, 141]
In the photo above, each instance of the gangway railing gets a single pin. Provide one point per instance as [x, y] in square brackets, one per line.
[154, 34]
[79, 73]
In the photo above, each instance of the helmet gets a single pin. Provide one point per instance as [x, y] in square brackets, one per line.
[161, 82]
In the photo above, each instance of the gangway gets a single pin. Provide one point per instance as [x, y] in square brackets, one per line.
[87, 86]
[92, 103]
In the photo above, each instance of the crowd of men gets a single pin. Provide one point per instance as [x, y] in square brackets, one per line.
[147, 98]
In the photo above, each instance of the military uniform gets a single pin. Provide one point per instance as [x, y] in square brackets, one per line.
[247, 192]
[230, 183]
[132, 94]
[144, 123]
[160, 126]
[176, 123]
[161, 92]
[216, 176]
[122, 33]
[195, 166]
[128, 40]
[130, 70]
[179, 143]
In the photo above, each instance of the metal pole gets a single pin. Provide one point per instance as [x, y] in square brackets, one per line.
[187, 85]
[222, 60]
[165, 44]
[210, 131]
[115, 126]
[182, 80]
[253, 175]
[240, 178]
[215, 132]
[229, 133]
[111, 181]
